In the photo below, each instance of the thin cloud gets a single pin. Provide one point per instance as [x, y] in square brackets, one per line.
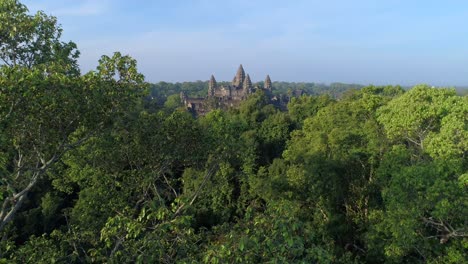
[84, 8]
[301, 40]
[72, 8]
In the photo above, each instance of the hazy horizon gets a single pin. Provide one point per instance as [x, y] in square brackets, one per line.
[362, 42]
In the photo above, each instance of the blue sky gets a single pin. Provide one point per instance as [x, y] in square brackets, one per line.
[359, 41]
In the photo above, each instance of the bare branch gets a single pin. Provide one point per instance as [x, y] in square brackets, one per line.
[445, 229]
[210, 172]
[12, 204]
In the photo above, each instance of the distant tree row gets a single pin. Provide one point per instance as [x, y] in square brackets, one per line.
[159, 92]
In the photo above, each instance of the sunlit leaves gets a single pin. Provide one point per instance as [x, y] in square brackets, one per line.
[29, 40]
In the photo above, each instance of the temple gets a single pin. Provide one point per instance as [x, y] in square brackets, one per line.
[225, 96]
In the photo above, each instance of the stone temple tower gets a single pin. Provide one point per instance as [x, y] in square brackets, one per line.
[211, 86]
[267, 85]
[247, 85]
[240, 76]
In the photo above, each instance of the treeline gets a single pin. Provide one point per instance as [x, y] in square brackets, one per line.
[159, 92]
[463, 91]
[91, 173]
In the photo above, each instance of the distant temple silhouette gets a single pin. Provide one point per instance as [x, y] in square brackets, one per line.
[220, 96]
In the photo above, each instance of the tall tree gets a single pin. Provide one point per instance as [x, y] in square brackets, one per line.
[45, 113]
[28, 40]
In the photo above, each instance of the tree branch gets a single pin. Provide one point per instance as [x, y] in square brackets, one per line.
[446, 230]
[210, 172]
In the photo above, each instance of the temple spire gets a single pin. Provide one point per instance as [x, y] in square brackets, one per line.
[211, 86]
[183, 96]
[247, 84]
[240, 76]
[267, 85]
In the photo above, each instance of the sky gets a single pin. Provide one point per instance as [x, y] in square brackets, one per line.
[361, 41]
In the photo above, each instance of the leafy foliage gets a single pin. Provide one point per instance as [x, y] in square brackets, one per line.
[92, 170]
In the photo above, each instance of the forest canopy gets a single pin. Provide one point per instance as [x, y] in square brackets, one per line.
[95, 170]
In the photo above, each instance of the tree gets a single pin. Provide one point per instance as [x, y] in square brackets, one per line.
[274, 132]
[330, 167]
[277, 235]
[423, 217]
[306, 106]
[414, 115]
[451, 140]
[50, 113]
[28, 40]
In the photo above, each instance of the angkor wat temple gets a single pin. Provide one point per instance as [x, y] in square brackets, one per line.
[225, 96]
